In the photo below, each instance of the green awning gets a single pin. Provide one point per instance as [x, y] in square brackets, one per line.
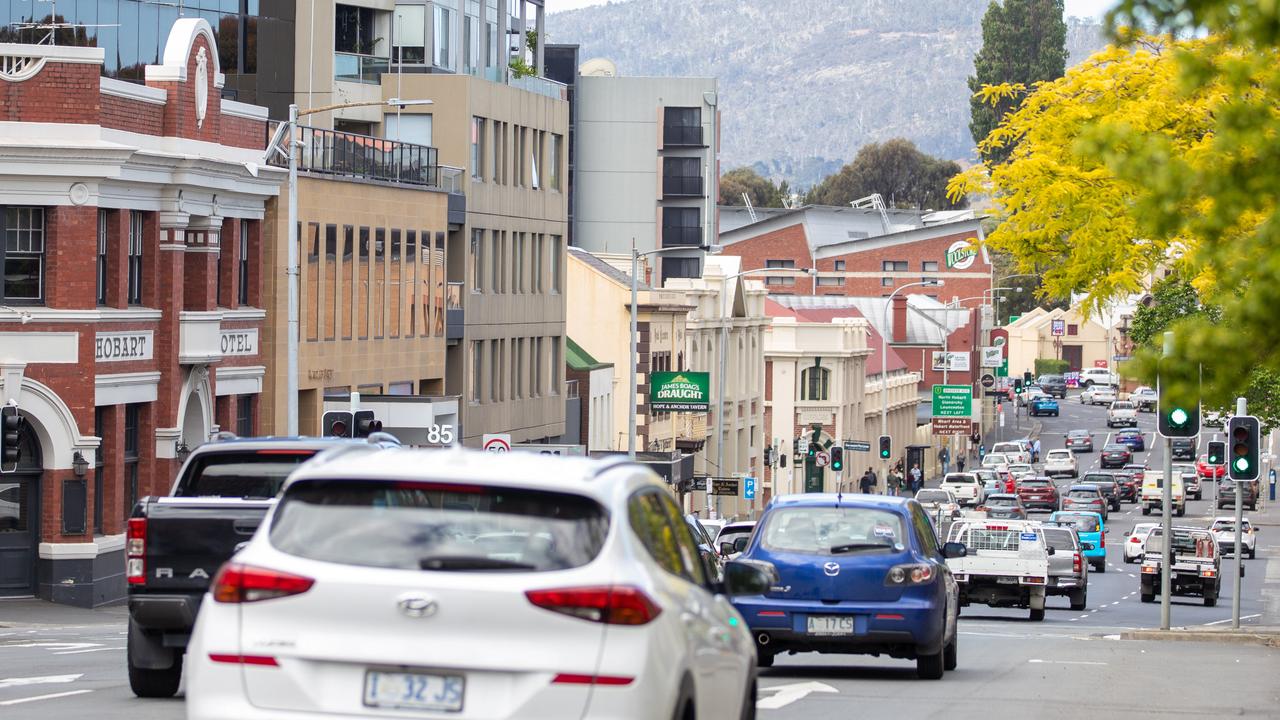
[579, 359]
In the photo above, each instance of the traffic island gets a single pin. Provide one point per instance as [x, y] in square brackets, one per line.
[1268, 636]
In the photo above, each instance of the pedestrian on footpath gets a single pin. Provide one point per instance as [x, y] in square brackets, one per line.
[917, 478]
[867, 483]
[944, 457]
[960, 463]
[1035, 450]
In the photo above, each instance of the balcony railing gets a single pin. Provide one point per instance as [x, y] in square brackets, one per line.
[344, 154]
[451, 178]
[454, 317]
[351, 67]
[540, 85]
[682, 186]
[680, 236]
[682, 136]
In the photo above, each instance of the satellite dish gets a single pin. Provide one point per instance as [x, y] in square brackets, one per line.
[598, 67]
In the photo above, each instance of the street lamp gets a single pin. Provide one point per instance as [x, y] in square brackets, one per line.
[884, 358]
[289, 129]
[635, 291]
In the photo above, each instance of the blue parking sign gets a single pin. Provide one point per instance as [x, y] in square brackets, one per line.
[749, 488]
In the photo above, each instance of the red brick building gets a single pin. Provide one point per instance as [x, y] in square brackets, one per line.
[130, 300]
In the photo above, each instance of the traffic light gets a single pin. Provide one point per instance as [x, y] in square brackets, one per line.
[1177, 421]
[1244, 432]
[1017, 386]
[886, 447]
[338, 423]
[837, 459]
[1026, 377]
[366, 424]
[1217, 452]
[10, 428]
[811, 450]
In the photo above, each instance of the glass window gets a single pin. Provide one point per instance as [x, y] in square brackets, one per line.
[477, 361]
[408, 127]
[656, 530]
[929, 266]
[240, 474]
[471, 38]
[495, 365]
[477, 148]
[132, 434]
[477, 260]
[553, 168]
[103, 219]
[99, 418]
[925, 533]
[779, 279]
[135, 257]
[682, 126]
[681, 226]
[535, 158]
[557, 252]
[833, 530]
[22, 255]
[244, 416]
[894, 266]
[815, 383]
[839, 266]
[887, 282]
[495, 259]
[443, 37]
[244, 262]
[410, 34]
[518, 368]
[680, 268]
[556, 364]
[353, 30]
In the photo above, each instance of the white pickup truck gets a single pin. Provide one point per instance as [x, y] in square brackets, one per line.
[1122, 412]
[1007, 564]
[965, 487]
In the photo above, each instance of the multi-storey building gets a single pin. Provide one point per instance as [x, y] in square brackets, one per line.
[131, 304]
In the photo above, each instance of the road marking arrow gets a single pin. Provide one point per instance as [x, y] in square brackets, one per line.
[787, 694]
[39, 680]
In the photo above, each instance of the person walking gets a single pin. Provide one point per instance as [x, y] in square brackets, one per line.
[917, 478]
[960, 463]
[944, 457]
[1035, 450]
[867, 484]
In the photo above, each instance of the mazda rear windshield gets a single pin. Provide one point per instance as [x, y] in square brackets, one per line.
[249, 474]
[833, 530]
[1082, 523]
[438, 526]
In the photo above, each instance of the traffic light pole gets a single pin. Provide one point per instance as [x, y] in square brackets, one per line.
[1242, 409]
[1166, 502]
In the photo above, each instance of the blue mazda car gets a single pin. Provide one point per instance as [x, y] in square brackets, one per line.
[858, 574]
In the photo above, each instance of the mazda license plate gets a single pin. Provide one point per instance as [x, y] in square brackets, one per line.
[413, 691]
[831, 625]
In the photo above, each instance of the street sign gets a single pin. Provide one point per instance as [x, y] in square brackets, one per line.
[700, 482]
[749, 488]
[952, 401]
[1059, 327]
[498, 442]
[857, 446]
[952, 426]
[727, 486]
[802, 446]
[951, 361]
[988, 380]
[992, 357]
[822, 458]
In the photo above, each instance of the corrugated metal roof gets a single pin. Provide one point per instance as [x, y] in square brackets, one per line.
[924, 314]
[605, 268]
[773, 308]
[578, 359]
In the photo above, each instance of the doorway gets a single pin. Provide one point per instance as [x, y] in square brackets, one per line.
[1074, 355]
[20, 519]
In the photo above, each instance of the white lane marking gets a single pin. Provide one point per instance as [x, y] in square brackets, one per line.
[1116, 603]
[1066, 662]
[54, 645]
[1073, 620]
[19, 701]
[1242, 617]
[1132, 576]
[787, 694]
[38, 680]
[78, 652]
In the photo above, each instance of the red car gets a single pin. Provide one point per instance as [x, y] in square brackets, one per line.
[1038, 492]
[1205, 470]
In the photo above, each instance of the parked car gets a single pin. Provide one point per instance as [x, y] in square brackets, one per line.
[1055, 385]
[1144, 398]
[939, 504]
[1061, 463]
[1004, 506]
[1068, 571]
[1135, 541]
[1115, 455]
[1085, 498]
[1122, 413]
[1207, 471]
[1196, 567]
[1092, 529]
[857, 575]
[1132, 439]
[1227, 494]
[1127, 485]
[964, 487]
[1080, 441]
[1098, 395]
[1044, 405]
[1038, 493]
[1090, 377]
[1224, 530]
[325, 610]
[1184, 449]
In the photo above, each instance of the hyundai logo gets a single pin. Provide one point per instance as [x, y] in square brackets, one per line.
[832, 569]
[416, 606]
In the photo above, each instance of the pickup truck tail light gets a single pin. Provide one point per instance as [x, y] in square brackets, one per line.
[1076, 565]
[1032, 579]
[136, 551]
[237, 583]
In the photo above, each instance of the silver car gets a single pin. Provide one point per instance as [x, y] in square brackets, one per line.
[1068, 571]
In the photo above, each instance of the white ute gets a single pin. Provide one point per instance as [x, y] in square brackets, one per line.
[965, 487]
[1122, 412]
[1007, 564]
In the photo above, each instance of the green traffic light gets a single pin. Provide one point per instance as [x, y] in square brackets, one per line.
[1179, 417]
[1242, 465]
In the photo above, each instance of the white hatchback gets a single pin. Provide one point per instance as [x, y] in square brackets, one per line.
[462, 584]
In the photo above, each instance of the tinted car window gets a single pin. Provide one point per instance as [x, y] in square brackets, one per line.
[818, 530]
[240, 474]
[656, 531]
[1082, 523]
[960, 478]
[924, 531]
[1060, 539]
[1083, 494]
[1002, 500]
[437, 526]
[933, 496]
[687, 540]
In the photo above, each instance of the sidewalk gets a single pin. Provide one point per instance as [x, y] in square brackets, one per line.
[28, 612]
[1268, 635]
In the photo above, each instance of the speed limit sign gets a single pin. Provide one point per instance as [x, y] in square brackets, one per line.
[822, 458]
[498, 442]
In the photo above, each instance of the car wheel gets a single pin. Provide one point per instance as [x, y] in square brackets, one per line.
[1148, 597]
[151, 683]
[930, 667]
[764, 659]
[1251, 552]
[685, 707]
[1180, 512]
[749, 702]
[1037, 615]
[1210, 600]
[1147, 510]
[951, 653]
[1102, 566]
[1079, 598]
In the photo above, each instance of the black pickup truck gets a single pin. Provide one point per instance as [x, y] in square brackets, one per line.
[176, 544]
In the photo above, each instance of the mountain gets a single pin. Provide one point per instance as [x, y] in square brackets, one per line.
[805, 83]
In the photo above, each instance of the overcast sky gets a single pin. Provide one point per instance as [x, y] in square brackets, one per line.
[1080, 8]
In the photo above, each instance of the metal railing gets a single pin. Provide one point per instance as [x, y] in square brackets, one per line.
[451, 178]
[540, 85]
[682, 135]
[344, 154]
[682, 186]
[352, 67]
[681, 236]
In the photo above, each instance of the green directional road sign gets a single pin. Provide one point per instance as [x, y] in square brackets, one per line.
[953, 401]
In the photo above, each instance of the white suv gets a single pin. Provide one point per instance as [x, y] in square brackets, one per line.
[1061, 462]
[509, 585]
[1097, 376]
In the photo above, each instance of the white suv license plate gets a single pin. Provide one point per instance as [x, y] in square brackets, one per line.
[413, 691]
[830, 625]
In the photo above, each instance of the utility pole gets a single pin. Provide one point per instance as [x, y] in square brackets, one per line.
[1242, 409]
[1166, 522]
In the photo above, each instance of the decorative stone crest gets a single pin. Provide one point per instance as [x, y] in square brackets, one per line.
[202, 86]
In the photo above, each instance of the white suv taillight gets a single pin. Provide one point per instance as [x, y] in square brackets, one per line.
[236, 583]
[135, 551]
[609, 604]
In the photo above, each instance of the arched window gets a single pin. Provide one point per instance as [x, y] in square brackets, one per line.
[815, 383]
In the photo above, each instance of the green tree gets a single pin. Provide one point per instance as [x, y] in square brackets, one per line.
[762, 192]
[1023, 42]
[903, 175]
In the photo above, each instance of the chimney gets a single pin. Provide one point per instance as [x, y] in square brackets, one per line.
[899, 319]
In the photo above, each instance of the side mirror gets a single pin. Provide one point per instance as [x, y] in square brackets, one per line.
[749, 577]
[1052, 551]
[726, 548]
[954, 550]
[740, 543]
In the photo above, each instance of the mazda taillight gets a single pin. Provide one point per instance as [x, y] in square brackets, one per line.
[135, 551]
[910, 574]
[237, 583]
[609, 604]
